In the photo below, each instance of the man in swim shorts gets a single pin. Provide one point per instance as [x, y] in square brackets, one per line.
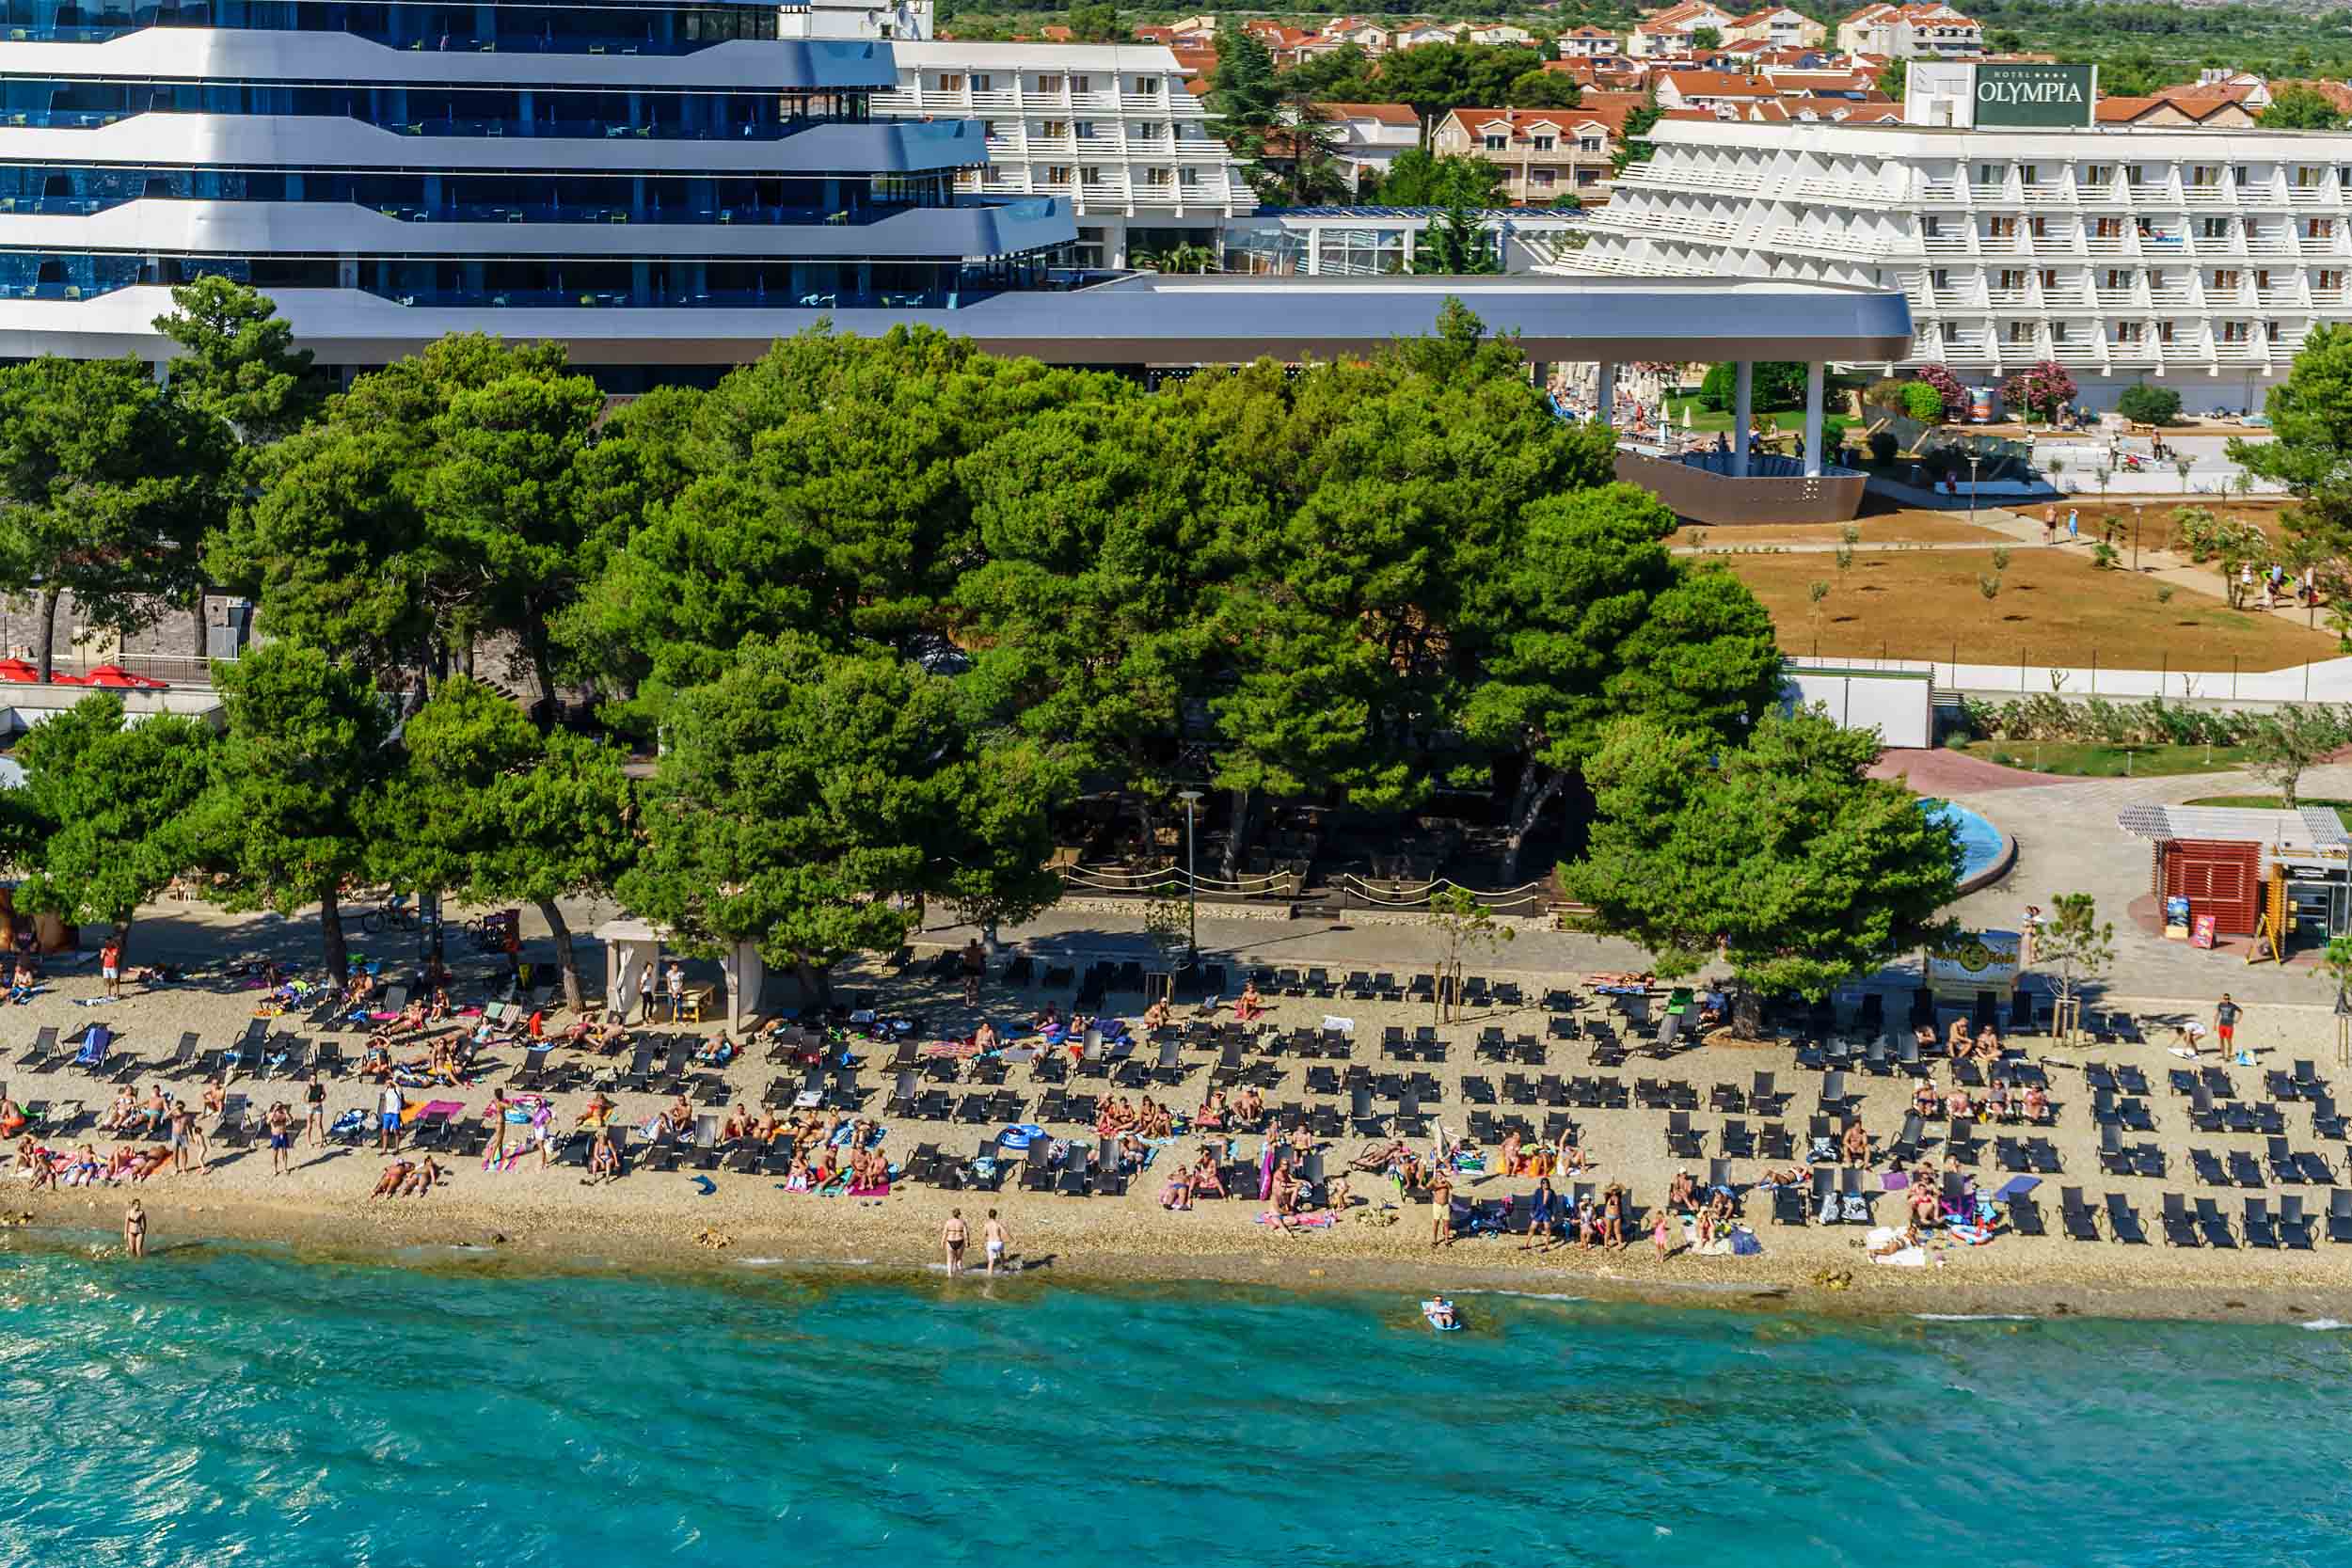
[951, 1236]
[388, 1116]
[2225, 1019]
[281, 1124]
[995, 1238]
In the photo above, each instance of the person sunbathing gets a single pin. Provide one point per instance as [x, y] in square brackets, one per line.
[1507, 1158]
[439, 1008]
[1925, 1036]
[599, 1111]
[1856, 1144]
[1996, 1105]
[1956, 1104]
[1249, 1007]
[409, 1019]
[361, 990]
[604, 1161]
[1212, 1112]
[985, 1037]
[2037, 1103]
[390, 1182]
[1988, 1044]
[421, 1179]
[1176, 1191]
[120, 1163]
[80, 1167]
[23, 983]
[1567, 1154]
[1681, 1191]
[1956, 1039]
[118, 1114]
[1613, 1217]
[377, 1062]
[1895, 1240]
[1155, 1016]
[1206, 1177]
[1046, 1022]
[798, 1179]
[1792, 1176]
[1248, 1108]
[12, 1117]
[718, 1052]
[771, 1129]
[739, 1124]
[150, 1162]
[1924, 1206]
[1923, 1101]
[1287, 1190]
[1153, 1121]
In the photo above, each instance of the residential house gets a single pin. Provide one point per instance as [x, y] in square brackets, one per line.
[1911, 32]
[1776, 27]
[1821, 84]
[1373, 38]
[1498, 33]
[1545, 153]
[1712, 89]
[1375, 135]
[2179, 108]
[1419, 33]
[1588, 44]
[1669, 32]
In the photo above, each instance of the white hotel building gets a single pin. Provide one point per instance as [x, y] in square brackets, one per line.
[2193, 259]
[1111, 129]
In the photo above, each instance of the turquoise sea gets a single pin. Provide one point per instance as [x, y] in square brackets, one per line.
[218, 1405]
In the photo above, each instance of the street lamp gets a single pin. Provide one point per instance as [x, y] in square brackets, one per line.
[1191, 798]
[1974, 458]
[2135, 512]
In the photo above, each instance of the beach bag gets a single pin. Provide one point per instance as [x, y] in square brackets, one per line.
[1821, 1153]
[1857, 1212]
[1744, 1244]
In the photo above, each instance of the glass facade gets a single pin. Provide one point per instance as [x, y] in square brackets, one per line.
[483, 143]
[649, 28]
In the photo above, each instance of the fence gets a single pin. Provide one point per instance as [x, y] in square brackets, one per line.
[2329, 681]
[1347, 891]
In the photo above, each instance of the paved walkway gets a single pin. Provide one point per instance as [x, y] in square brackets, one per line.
[1932, 770]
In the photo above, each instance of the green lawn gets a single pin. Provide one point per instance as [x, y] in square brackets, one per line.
[2095, 760]
[1789, 419]
[2267, 802]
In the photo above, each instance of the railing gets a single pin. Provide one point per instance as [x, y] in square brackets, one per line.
[1174, 878]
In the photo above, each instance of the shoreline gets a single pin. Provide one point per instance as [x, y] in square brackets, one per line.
[501, 1238]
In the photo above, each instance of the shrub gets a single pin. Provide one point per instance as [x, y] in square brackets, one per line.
[2164, 593]
[2146, 404]
[1923, 402]
[1883, 445]
[1947, 386]
[2104, 556]
[1956, 741]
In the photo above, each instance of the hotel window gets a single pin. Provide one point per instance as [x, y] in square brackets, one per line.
[1940, 279]
[1148, 86]
[988, 129]
[1545, 144]
[2128, 332]
[1086, 130]
[2330, 279]
[2344, 176]
[2307, 177]
[1089, 176]
[2319, 229]
[2164, 332]
[2155, 281]
[1930, 227]
[951, 82]
[1189, 178]
[2037, 226]
[2118, 278]
[2020, 332]
[1057, 174]
[982, 84]
[1540, 178]
[2213, 228]
[2131, 174]
[2058, 332]
[2106, 229]
[2001, 228]
[2241, 176]
[1156, 179]
[1498, 142]
[1988, 174]
[2234, 332]
[2262, 278]
[2204, 177]
[1049, 83]
[2027, 174]
[2225, 280]
[2049, 278]
[1591, 144]
[2012, 279]
[2270, 331]
[1082, 84]
[2098, 174]
[1053, 127]
[1147, 129]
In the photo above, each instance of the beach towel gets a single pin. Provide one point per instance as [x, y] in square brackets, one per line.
[1895, 1181]
[883, 1191]
[1300, 1222]
[1909, 1257]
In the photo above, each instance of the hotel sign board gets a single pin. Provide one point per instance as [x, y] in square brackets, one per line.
[2043, 97]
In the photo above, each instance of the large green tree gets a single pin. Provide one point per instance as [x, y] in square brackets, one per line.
[1781, 854]
[288, 818]
[238, 361]
[113, 803]
[2301, 108]
[1423, 179]
[2310, 449]
[806, 800]
[1571, 644]
[108, 486]
[488, 808]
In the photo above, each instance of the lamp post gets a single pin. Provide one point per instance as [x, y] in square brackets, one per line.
[2135, 512]
[1974, 458]
[1191, 798]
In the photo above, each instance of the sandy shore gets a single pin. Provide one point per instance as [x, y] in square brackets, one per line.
[549, 1220]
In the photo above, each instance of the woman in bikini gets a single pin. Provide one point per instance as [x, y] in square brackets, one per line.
[1212, 1112]
[1249, 1007]
[1155, 1016]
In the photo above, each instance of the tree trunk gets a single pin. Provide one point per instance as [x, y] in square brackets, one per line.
[1237, 840]
[566, 961]
[331, 930]
[123, 941]
[543, 670]
[1150, 825]
[1747, 1014]
[816, 984]
[48, 633]
[1532, 798]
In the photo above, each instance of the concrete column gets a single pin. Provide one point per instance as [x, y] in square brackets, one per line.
[1605, 391]
[1742, 409]
[1814, 376]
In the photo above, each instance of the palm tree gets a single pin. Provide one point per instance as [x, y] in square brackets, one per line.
[1188, 258]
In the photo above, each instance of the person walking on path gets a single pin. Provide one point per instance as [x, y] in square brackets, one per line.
[135, 1229]
[2073, 531]
[497, 1117]
[314, 1111]
[2049, 526]
[2225, 1017]
[110, 966]
[951, 1236]
[1441, 1206]
[975, 968]
[994, 1239]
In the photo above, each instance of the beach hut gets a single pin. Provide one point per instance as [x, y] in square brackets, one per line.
[633, 968]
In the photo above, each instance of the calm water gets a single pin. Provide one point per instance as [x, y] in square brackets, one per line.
[216, 1405]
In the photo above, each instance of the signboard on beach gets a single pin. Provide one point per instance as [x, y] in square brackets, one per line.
[1974, 962]
[2044, 97]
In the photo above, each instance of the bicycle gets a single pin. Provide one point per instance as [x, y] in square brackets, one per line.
[389, 917]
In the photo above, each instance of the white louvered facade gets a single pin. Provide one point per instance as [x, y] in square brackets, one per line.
[2195, 259]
